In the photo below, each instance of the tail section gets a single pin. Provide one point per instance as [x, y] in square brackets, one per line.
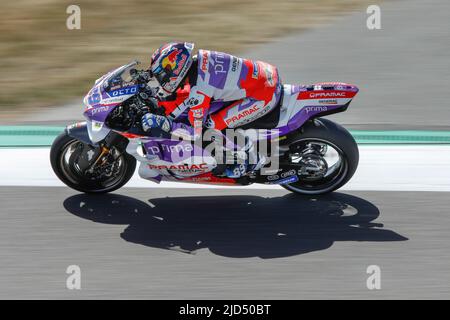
[302, 103]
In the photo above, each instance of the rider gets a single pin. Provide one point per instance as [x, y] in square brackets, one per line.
[246, 89]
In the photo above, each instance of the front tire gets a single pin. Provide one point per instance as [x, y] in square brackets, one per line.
[64, 164]
[325, 132]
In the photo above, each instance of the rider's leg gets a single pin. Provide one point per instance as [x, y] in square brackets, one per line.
[240, 113]
[234, 116]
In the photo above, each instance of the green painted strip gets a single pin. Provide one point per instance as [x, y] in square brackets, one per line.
[28, 136]
[401, 137]
[42, 136]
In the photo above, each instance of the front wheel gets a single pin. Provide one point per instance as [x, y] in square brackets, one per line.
[326, 154]
[76, 166]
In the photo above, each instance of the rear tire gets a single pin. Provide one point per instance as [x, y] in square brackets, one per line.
[68, 175]
[339, 138]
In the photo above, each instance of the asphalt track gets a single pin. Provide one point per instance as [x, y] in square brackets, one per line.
[164, 244]
[402, 70]
[142, 243]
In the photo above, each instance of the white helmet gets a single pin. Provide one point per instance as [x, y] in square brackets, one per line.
[170, 64]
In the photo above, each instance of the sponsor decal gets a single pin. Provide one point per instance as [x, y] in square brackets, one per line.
[234, 64]
[325, 94]
[219, 60]
[94, 97]
[205, 58]
[269, 74]
[178, 148]
[97, 126]
[288, 180]
[182, 168]
[113, 100]
[243, 114]
[115, 87]
[328, 101]
[123, 91]
[198, 113]
[332, 83]
[273, 177]
[123, 85]
[199, 179]
[96, 110]
[195, 99]
[209, 123]
[192, 102]
[180, 64]
[75, 125]
[255, 73]
[316, 109]
[171, 59]
[288, 174]
[209, 178]
[313, 95]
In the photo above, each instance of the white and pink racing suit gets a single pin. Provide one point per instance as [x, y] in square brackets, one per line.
[253, 86]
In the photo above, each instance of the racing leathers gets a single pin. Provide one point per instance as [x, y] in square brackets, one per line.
[225, 92]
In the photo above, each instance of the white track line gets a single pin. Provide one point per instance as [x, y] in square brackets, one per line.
[396, 168]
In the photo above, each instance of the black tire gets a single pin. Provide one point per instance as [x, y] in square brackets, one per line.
[333, 133]
[83, 184]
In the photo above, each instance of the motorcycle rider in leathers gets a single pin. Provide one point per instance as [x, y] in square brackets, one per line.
[246, 89]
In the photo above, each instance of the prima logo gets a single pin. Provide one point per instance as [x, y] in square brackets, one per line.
[219, 65]
[179, 148]
[316, 109]
[99, 109]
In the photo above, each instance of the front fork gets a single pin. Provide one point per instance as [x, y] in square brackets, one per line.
[92, 154]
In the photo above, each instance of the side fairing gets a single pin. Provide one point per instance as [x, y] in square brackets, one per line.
[108, 92]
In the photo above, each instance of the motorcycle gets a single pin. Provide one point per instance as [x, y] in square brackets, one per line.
[315, 155]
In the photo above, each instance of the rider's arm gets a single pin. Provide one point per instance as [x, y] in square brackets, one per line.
[198, 103]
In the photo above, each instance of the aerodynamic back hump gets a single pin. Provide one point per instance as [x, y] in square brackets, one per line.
[302, 103]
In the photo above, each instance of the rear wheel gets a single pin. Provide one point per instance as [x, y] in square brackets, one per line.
[74, 164]
[327, 157]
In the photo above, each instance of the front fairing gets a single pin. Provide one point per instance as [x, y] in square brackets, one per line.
[109, 91]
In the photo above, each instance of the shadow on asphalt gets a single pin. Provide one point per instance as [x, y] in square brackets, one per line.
[237, 226]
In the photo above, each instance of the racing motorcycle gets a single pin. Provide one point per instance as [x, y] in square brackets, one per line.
[315, 155]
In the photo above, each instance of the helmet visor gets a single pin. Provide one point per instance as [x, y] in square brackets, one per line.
[162, 76]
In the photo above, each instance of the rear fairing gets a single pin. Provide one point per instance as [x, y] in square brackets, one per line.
[302, 103]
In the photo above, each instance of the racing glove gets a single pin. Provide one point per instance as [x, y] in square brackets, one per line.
[152, 121]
